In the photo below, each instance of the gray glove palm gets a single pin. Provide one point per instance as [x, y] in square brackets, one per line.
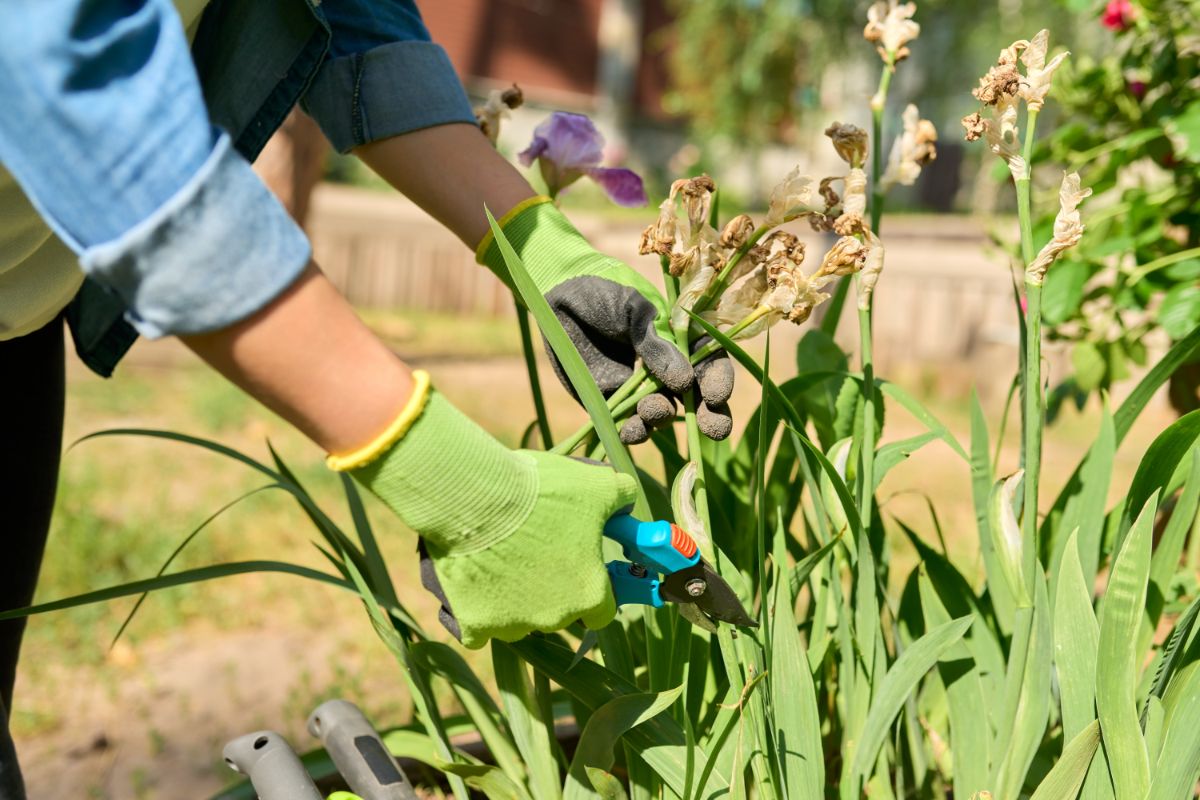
[614, 317]
[613, 325]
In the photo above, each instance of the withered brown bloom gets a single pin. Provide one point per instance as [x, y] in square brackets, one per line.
[914, 148]
[659, 238]
[496, 107]
[890, 25]
[1068, 227]
[850, 142]
[975, 125]
[737, 231]
[845, 257]
[1002, 79]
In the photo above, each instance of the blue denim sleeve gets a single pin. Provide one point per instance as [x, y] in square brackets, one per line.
[105, 128]
[383, 76]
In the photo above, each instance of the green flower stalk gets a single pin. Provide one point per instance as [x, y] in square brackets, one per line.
[1002, 91]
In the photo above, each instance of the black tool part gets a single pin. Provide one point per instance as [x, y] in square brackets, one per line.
[358, 752]
[718, 599]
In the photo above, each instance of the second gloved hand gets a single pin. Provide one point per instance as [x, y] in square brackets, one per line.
[613, 316]
[513, 537]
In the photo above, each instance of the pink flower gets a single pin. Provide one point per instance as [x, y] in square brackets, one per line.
[1118, 15]
[567, 147]
[1137, 89]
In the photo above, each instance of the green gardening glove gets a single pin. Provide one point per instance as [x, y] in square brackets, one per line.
[513, 538]
[613, 316]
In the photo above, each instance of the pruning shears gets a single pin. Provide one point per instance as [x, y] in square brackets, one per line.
[662, 548]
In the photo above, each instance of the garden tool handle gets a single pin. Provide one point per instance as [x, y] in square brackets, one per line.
[633, 585]
[660, 545]
[358, 752]
[272, 765]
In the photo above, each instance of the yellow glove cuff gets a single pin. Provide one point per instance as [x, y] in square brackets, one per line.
[489, 237]
[394, 432]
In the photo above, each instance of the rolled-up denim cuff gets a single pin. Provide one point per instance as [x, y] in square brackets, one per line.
[219, 250]
[386, 91]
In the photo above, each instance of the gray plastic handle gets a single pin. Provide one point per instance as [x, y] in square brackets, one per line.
[272, 766]
[358, 752]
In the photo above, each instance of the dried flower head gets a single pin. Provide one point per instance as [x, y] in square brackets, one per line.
[1003, 136]
[890, 25]
[1068, 228]
[807, 298]
[975, 125]
[850, 142]
[498, 103]
[1001, 80]
[769, 293]
[737, 231]
[820, 223]
[1003, 88]
[689, 242]
[696, 195]
[872, 268]
[1038, 74]
[696, 267]
[915, 147]
[758, 254]
[791, 198]
[854, 204]
[786, 245]
[845, 257]
[740, 300]
[828, 194]
[659, 238]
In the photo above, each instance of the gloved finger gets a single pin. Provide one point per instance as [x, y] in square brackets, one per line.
[655, 409]
[634, 431]
[652, 410]
[599, 617]
[714, 420]
[429, 580]
[609, 361]
[714, 375]
[662, 358]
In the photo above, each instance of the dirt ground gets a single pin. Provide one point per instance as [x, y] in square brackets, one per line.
[201, 665]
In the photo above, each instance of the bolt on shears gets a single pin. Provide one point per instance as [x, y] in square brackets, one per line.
[661, 548]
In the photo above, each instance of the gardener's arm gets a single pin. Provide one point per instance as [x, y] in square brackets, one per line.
[309, 358]
[452, 172]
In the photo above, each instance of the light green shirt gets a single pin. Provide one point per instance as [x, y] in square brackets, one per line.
[38, 273]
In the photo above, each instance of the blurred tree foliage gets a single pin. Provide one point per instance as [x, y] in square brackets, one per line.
[739, 67]
[748, 71]
[1132, 128]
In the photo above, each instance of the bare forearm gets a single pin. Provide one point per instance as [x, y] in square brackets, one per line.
[308, 358]
[451, 171]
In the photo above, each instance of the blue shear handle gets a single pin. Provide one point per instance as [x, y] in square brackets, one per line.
[649, 543]
[630, 589]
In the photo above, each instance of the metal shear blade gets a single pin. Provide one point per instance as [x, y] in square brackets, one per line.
[703, 588]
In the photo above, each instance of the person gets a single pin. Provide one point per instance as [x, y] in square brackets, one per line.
[127, 207]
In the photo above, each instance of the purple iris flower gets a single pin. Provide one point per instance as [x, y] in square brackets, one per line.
[567, 147]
